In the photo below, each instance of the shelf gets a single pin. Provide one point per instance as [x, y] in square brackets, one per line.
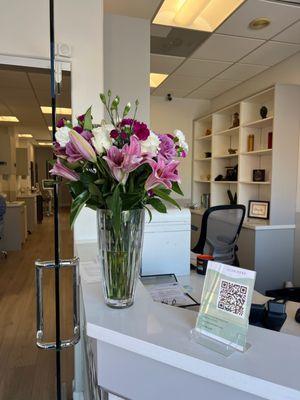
[203, 159]
[255, 183]
[207, 137]
[226, 156]
[262, 152]
[261, 123]
[226, 182]
[201, 181]
[229, 132]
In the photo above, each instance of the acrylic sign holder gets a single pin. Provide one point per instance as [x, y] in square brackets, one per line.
[216, 345]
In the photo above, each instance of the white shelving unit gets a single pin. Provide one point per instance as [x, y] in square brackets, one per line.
[279, 162]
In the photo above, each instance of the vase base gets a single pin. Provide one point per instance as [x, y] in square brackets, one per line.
[113, 303]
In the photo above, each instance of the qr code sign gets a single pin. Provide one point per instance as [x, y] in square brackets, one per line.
[232, 298]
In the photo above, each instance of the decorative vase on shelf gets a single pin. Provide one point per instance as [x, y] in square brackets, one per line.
[263, 112]
[120, 252]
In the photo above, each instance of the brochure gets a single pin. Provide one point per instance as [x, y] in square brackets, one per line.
[225, 304]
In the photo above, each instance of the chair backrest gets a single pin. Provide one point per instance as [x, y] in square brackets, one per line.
[220, 230]
[2, 207]
[2, 213]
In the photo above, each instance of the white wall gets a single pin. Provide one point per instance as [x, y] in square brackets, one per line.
[165, 116]
[286, 72]
[24, 28]
[127, 60]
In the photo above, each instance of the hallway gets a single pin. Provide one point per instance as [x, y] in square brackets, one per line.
[27, 372]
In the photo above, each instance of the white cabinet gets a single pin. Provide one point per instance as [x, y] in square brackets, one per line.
[31, 210]
[15, 226]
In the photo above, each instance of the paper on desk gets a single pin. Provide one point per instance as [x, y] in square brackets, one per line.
[170, 293]
[90, 271]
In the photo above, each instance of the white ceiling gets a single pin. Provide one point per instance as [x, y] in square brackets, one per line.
[234, 53]
[21, 95]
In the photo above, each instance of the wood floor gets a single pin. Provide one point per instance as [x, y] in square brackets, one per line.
[27, 372]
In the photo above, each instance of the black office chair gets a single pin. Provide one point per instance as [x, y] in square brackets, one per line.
[220, 229]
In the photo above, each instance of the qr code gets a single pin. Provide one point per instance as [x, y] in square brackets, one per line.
[232, 298]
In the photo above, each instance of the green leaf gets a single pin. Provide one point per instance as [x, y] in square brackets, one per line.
[163, 195]
[176, 188]
[88, 125]
[149, 213]
[115, 103]
[77, 206]
[95, 191]
[87, 177]
[126, 109]
[114, 203]
[131, 200]
[158, 205]
[103, 98]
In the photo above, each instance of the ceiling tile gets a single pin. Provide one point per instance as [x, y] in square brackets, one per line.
[203, 68]
[164, 64]
[214, 88]
[242, 72]
[175, 93]
[226, 48]
[185, 83]
[290, 35]
[281, 15]
[271, 53]
[14, 79]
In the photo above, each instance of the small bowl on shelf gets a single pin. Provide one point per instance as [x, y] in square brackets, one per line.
[207, 154]
[232, 151]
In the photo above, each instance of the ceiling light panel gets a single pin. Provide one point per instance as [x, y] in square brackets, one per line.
[157, 79]
[6, 118]
[202, 15]
[45, 144]
[59, 110]
[25, 135]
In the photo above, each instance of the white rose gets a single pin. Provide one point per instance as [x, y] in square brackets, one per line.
[151, 144]
[181, 139]
[102, 140]
[62, 136]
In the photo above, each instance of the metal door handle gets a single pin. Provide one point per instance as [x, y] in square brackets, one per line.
[39, 269]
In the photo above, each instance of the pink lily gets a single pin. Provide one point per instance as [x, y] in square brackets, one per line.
[60, 170]
[82, 146]
[163, 173]
[123, 161]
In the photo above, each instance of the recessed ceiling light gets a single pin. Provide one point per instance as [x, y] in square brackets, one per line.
[202, 15]
[259, 23]
[157, 79]
[4, 118]
[25, 135]
[45, 144]
[59, 110]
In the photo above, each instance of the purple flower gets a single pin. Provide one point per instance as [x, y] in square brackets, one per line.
[166, 147]
[73, 155]
[140, 129]
[114, 134]
[80, 119]
[123, 161]
[60, 170]
[163, 173]
[82, 146]
[78, 129]
[61, 123]
[123, 135]
[59, 150]
[87, 135]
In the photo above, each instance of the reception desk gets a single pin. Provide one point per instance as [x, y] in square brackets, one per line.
[145, 352]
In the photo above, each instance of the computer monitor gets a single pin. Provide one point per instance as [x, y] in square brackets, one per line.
[48, 184]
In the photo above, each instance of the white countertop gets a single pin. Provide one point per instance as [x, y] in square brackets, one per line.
[251, 223]
[162, 333]
[12, 204]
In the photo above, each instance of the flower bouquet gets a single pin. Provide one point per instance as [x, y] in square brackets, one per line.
[118, 169]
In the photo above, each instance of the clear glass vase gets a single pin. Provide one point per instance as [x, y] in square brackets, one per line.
[120, 253]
